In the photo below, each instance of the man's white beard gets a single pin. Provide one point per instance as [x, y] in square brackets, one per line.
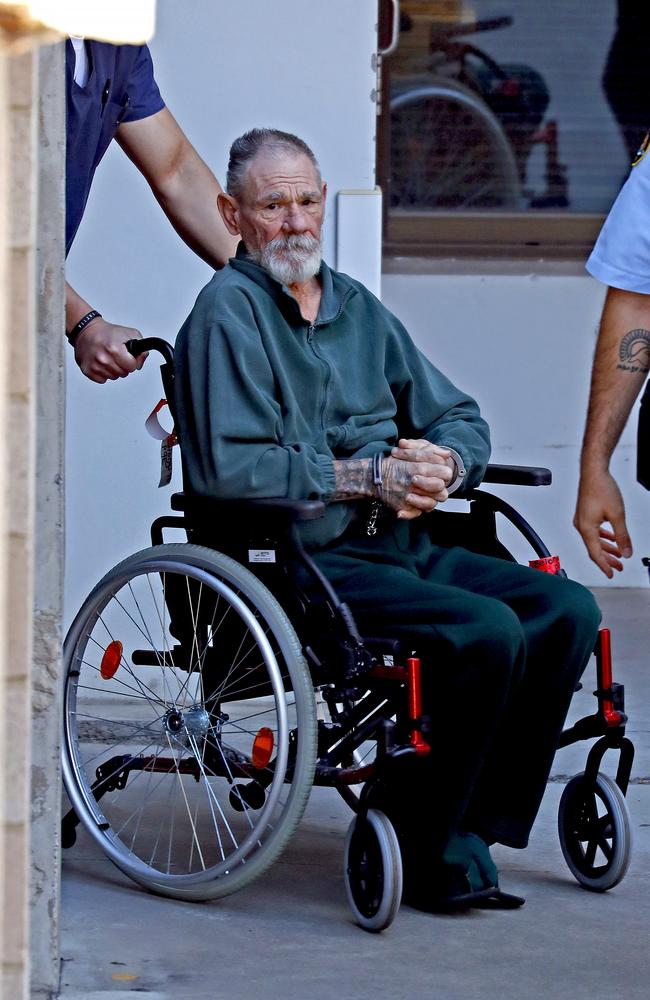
[291, 260]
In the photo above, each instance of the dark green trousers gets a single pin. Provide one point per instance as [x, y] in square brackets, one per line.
[503, 647]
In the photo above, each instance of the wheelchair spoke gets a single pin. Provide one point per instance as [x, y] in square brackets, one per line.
[606, 848]
[138, 811]
[144, 631]
[234, 691]
[135, 692]
[165, 811]
[223, 686]
[256, 715]
[190, 861]
[212, 799]
[122, 766]
[163, 632]
[195, 838]
[141, 807]
[198, 666]
[590, 853]
[594, 834]
[113, 746]
[242, 801]
[171, 826]
[112, 722]
[120, 694]
[194, 615]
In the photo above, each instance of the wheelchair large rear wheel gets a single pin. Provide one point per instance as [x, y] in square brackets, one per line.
[448, 150]
[595, 833]
[189, 723]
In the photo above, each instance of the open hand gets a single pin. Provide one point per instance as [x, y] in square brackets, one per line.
[600, 502]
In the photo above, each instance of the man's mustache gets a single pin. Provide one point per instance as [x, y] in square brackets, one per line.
[297, 243]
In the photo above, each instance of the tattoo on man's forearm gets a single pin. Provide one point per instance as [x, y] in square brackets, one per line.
[634, 352]
[353, 479]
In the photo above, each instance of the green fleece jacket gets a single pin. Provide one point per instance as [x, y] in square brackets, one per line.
[266, 401]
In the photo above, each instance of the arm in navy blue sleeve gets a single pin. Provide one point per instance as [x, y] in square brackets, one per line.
[142, 89]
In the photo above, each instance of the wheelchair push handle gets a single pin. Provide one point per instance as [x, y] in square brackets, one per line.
[145, 344]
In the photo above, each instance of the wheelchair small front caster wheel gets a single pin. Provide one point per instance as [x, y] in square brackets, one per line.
[595, 833]
[373, 870]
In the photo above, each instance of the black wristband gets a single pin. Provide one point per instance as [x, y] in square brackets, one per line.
[81, 325]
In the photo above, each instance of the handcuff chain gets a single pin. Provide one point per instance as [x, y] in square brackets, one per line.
[371, 524]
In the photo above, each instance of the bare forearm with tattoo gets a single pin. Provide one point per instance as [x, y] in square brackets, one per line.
[621, 365]
[354, 479]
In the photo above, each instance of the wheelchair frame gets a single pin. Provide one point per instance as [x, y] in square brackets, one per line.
[369, 696]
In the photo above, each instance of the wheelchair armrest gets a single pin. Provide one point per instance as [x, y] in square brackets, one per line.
[518, 475]
[276, 508]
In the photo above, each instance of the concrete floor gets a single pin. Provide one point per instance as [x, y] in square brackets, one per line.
[291, 935]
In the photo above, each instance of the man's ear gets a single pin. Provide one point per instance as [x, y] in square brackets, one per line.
[229, 211]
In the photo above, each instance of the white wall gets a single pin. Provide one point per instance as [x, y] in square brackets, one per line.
[522, 346]
[222, 67]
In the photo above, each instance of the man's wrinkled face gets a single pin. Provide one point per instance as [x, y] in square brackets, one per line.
[280, 215]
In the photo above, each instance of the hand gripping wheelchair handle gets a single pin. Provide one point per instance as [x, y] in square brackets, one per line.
[137, 347]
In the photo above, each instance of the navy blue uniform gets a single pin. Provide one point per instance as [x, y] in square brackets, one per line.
[120, 88]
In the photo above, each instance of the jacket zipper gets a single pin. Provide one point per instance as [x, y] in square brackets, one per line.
[311, 330]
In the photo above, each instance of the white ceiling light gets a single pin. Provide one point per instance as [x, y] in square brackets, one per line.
[121, 21]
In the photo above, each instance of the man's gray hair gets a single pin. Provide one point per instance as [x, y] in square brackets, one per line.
[246, 148]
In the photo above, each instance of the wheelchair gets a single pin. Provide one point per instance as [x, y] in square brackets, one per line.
[206, 693]
[463, 126]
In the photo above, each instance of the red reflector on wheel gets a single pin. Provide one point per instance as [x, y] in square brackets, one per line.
[262, 748]
[551, 564]
[111, 659]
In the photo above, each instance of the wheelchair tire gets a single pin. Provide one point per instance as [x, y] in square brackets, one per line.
[448, 150]
[373, 870]
[188, 761]
[595, 832]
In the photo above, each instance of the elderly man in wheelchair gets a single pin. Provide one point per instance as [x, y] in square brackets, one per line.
[294, 381]
[327, 623]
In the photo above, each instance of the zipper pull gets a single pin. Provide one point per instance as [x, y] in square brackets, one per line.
[311, 330]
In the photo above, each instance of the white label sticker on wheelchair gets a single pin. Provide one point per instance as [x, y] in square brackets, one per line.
[261, 555]
[167, 441]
